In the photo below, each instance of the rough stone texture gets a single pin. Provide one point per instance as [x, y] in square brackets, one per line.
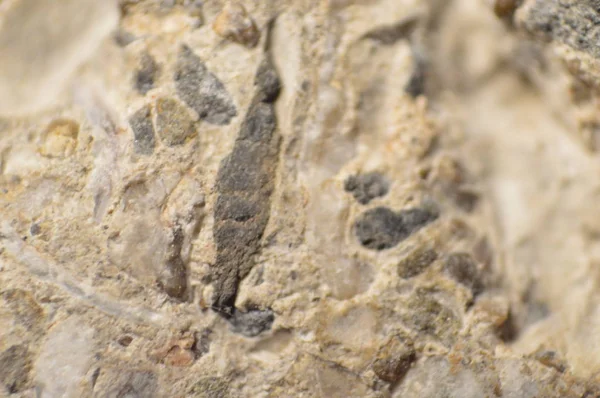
[173, 122]
[366, 187]
[318, 198]
[146, 75]
[202, 90]
[143, 131]
[15, 365]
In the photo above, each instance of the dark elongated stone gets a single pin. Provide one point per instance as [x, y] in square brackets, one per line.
[244, 187]
[381, 228]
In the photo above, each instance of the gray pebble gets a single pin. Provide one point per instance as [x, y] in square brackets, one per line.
[462, 268]
[146, 75]
[143, 131]
[366, 187]
[252, 323]
[381, 228]
[201, 90]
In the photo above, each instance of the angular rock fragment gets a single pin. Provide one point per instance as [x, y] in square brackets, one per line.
[566, 22]
[202, 342]
[244, 186]
[381, 228]
[416, 262]
[174, 124]
[394, 359]
[462, 268]
[146, 75]
[236, 24]
[253, 322]
[201, 90]
[366, 187]
[143, 131]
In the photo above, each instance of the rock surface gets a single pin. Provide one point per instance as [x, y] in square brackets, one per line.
[315, 198]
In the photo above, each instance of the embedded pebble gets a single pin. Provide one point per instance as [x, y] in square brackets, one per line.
[174, 124]
[146, 75]
[381, 228]
[416, 262]
[244, 186]
[143, 131]
[462, 268]
[201, 90]
[234, 23]
[366, 187]
[253, 322]
[35, 229]
[394, 359]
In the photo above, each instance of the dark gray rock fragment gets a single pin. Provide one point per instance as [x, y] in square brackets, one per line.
[143, 131]
[15, 366]
[244, 186]
[146, 75]
[253, 322]
[268, 81]
[202, 343]
[35, 229]
[174, 124]
[574, 23]
[201, 90]
[366, 187]
[381, 228]
[418, 78]
[462, 268]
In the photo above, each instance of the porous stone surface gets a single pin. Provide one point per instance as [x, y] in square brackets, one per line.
[314, 198]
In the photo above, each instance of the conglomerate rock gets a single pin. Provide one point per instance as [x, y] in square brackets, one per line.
[270, 199]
